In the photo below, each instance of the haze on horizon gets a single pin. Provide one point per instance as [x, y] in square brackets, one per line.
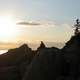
[37, 20]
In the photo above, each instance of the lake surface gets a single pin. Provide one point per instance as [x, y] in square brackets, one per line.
[3, 51]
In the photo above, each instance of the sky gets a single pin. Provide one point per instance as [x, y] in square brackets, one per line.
[42, 20]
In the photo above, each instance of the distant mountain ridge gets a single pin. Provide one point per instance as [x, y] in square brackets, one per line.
[6, 45]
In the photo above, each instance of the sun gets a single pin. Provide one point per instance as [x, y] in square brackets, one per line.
[7, 27]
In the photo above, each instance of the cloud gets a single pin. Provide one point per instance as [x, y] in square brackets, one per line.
[38, 24]
[28, 23]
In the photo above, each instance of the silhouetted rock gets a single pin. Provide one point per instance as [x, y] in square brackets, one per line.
[56, 64]
[43, 64]
[48, 64]
[72, 57]
[16, 56]
[42, 46]
[14, 63]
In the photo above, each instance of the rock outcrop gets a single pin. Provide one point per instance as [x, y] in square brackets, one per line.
[14, 63]
[43, 64]
[48, 64]
[72, 57]
[57, 64]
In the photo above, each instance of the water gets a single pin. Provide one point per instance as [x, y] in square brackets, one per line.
[3, 51]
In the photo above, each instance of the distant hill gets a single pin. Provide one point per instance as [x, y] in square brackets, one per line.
[6, 46]
[34, 46]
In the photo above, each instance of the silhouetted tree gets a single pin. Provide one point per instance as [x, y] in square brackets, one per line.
[77, 27]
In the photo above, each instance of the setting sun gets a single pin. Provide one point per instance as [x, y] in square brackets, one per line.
[7, 27]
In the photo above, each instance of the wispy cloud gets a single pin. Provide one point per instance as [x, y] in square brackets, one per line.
[36, 23]
[45, 24]
[28, 23]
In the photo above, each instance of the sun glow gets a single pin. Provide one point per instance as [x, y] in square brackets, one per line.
[7, 27]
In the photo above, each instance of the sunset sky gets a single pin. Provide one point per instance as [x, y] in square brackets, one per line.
[37, 20]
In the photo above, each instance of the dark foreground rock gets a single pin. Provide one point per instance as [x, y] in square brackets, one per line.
[14, 63]
[72, 58]
[43, 64]
[48, 64]
[56, 64]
